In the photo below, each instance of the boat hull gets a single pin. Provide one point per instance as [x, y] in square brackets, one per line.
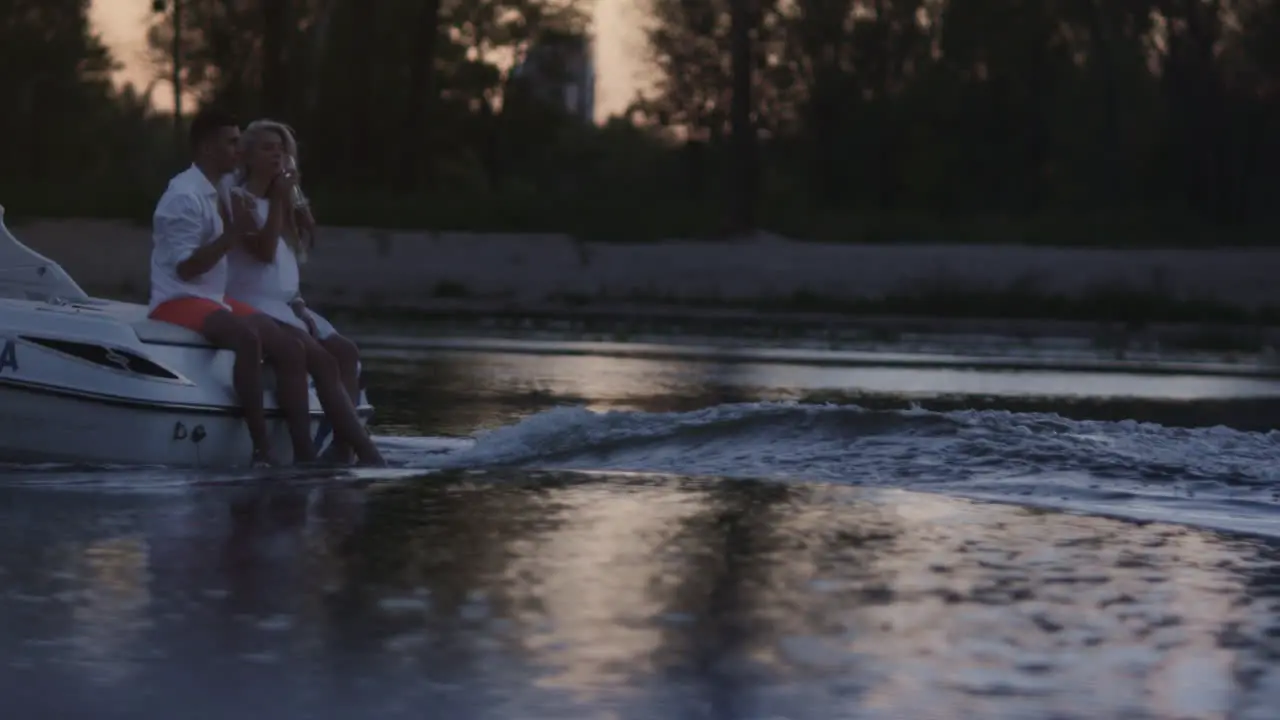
[39, 426]
[97, 382]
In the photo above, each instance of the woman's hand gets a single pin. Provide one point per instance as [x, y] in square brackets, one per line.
[300, 309]
[282, 187]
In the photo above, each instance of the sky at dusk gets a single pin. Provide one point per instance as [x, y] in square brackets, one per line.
[123, 26]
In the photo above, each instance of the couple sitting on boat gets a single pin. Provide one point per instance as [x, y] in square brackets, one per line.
[227, 243]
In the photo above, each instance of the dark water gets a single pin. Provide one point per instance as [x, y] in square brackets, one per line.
[1194, 448]
[604, 537]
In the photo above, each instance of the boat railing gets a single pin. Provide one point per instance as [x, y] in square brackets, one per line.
[25, 273]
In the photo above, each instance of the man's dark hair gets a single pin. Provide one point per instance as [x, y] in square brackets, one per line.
[207, 123]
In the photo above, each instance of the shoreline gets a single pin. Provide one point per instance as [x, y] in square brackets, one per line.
[373, 343]
[1114, 297]
[626, 319]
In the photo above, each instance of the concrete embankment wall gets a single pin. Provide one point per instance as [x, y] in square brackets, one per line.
[367, 268]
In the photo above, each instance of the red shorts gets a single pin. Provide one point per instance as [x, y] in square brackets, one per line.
[191, 312]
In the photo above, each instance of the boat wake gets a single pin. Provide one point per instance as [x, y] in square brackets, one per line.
[152, 479]
[1213, 477]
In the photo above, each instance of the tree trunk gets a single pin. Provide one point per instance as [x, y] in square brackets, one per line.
[275, 32]
[360, 162]
[1111, 173]
[743, 182]
[415, 161]
[319, 46]
[886, 166]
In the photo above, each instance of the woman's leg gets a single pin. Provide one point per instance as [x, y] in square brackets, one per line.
[338, 407]
[348, 357]
[288, 356]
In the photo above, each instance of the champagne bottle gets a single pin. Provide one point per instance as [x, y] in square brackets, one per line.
[291, 167]
[298, 200]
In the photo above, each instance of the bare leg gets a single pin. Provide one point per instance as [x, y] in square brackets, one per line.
[289, 359]
[229, 332]
[347, 355]
[333, 398]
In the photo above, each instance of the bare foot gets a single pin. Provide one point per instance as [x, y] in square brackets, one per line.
[262, 458]
[304, 454]
[338, 453]
[313, 464]
[370, 456]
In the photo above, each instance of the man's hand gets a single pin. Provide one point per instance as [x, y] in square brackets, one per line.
[243, 223]
[224, 212]
[204, 257]
[229, 236]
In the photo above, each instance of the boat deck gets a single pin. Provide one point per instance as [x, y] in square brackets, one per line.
[132, 314]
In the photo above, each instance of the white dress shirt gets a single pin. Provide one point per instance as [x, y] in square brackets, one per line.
[186, 217]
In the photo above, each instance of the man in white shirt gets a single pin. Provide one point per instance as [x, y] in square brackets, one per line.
[191, 233]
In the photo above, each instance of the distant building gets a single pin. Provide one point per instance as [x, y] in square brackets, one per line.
[562, 70]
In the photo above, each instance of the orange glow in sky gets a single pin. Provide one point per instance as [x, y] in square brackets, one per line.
[123, 26]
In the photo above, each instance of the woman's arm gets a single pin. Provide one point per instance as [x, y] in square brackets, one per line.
[263, 245]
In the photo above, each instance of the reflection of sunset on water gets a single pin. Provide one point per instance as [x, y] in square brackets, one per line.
[111, 615]
[590, 592]
[1035, 606]
[1202, 602]
[606, 381]
[493, 592]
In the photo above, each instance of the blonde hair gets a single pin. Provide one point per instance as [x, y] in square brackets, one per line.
[248, 142]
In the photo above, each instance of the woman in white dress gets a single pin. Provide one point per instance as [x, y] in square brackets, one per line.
[265, 274]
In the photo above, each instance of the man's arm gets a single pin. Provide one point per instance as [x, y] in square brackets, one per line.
[178, 225]
[205, 257]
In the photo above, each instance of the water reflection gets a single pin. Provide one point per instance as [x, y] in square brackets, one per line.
[972, 381]
[579, 595]
[110, 612]
[593, 625]
[458, 393]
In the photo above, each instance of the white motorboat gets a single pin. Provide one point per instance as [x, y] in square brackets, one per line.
[92, 380]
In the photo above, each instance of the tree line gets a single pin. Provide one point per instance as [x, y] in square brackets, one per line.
[1078, 121]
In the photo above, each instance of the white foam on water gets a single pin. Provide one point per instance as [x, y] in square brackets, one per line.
[1217, 477]
[1212, 477]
